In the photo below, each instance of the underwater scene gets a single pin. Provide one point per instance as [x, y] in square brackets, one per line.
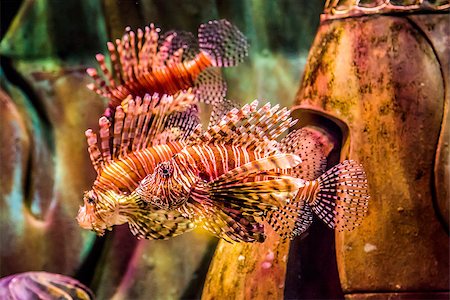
[224, 149]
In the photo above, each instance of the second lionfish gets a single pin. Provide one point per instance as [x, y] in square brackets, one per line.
[146, 62]
[234, 178]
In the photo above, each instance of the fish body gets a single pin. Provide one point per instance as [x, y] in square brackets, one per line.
[144, 64]
[124, 174]
[232, 179]
[175, 178]
[235, 175]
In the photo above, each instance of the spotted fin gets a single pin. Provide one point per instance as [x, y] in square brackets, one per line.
[224, 44]
[342, 198]
[339, 197]
[181, 40]
[294, 218]
[183, 123]
[147, 122]
[210, 87]
[220, 109]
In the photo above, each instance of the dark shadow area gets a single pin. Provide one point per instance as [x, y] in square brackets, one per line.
[195, 286]
[86, 271]
[312, 267]
[8, 10]
[16, 79]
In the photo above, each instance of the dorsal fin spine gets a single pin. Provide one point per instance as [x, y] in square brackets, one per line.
[118, 127]
[104, 138]
[147, 107]
[94, 152]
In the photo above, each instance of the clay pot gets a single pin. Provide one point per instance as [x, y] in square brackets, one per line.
[382, 80]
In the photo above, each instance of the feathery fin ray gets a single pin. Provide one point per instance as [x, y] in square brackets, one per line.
[150, 121]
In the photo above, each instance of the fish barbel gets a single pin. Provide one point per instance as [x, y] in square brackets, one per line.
[236, 175]
[143, 63]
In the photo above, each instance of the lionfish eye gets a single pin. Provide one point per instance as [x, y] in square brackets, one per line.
[165, 169]
[89, 197]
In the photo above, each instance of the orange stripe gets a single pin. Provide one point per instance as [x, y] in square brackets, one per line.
[126, 173]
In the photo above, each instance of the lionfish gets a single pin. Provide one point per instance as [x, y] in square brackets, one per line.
[145, 63]
[232, 179]
[125, 151]
[235, 175]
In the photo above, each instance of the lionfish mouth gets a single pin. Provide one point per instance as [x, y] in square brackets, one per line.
[83, 219]
[86, 221]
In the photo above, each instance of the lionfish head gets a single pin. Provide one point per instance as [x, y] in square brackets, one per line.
[100, 211]
[165, 188]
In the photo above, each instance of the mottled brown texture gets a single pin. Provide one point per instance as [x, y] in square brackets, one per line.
[437, 31]
[248, 270]
[381, 77]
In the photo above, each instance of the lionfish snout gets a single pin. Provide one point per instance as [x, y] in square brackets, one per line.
[83, 218]
[86, 214]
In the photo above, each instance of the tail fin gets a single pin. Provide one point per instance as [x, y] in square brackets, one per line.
[342, 197]
[223, 42]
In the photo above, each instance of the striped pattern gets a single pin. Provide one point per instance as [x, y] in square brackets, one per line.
[142, 66]
[241, 147]
[141, 135]
[248, 127]
[144, 123]
[238, 167]
[126, 173]
[230, 224]
[228, 179]
[168, 79]
[236, 183]
[116, 209]
[144, 63]
[223, 205]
